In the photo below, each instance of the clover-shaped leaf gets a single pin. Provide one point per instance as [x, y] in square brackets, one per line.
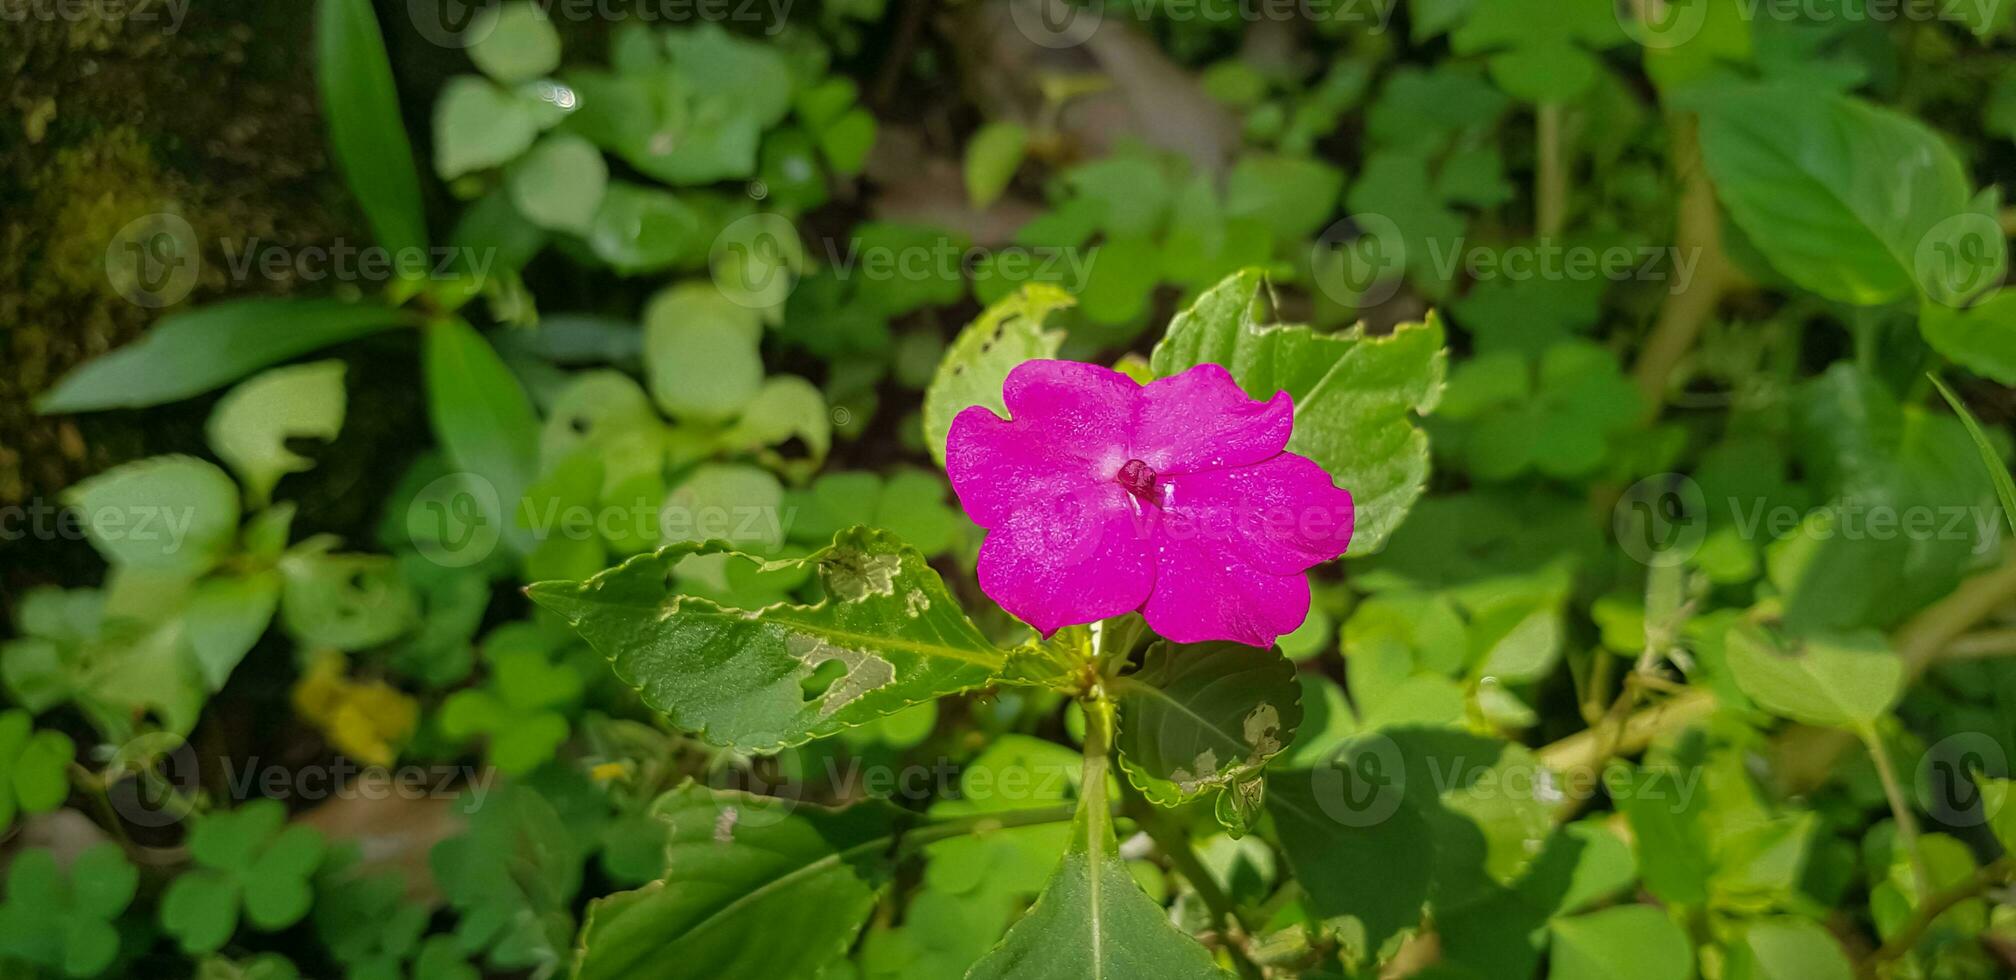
[34, 776]
[246, 859]
[521, 710]
[64, 923]
[512, 877]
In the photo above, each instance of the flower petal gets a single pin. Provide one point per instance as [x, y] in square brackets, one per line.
[1202, 592]
[1280, 516]
[1072, 559]
[1093, 407]
[1067, 431]
[1201, 420]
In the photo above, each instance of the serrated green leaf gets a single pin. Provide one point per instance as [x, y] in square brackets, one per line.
[1358, 397]
[1202, 717]
[975, 366]
[738, 677]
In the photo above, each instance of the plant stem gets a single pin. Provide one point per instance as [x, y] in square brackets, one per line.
[1697, 235]
[931, 833]
[1550, 181]
[1931, 907]
[1900, 808]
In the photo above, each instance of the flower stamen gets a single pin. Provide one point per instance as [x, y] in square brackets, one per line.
[1138, 479]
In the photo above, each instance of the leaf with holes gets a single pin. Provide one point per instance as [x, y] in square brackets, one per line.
[887, 635]
[1004, 335]
[1358, 397]
[1203, 717]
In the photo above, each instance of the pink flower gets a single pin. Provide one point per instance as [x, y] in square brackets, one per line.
[1101, 496]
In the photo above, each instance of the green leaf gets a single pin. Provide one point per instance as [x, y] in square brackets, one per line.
[700, 352]
[34, 767]
[1357, 396]
[786, 407]
[1628, 940]
[1672, 842]
[559, 185]
[992, 156]
[187, 354]
[887, 635]
[1002, 336]
[640, 229]
[1998, 472]
[366, 134]
[515, 42]
[1344, 827]
[64, 924]
[344, 601]
[740, 866]
[1093, 919]
[225, 616]
[478, 125]
[1787, 949]
[1853, 202]
[1980, 338]
[1202, 717]
[251, 424]
[168, 513]
[481, 416]
[1842, 681]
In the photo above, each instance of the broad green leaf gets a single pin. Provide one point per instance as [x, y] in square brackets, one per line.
[786, 407]
[559, 185]
[735, 504]
[991, 158]
[225, 616]
[1358, 397]
[1093, 919]
[187, 354]
[1628, 940]
[1002, 336]
[1343, 828]
[1854, 202]
[700, 352]
[1202, 717]
[1293, 196]
[1844, 681]
[366, 134]
[1674, 856]
[888, 634]
[642, 229]
[1980, 338]
[479, 125]
[1998, 472]
[251, 425]
[739, 868]
[168, 513]
[1787, 949]
[515, 42]
[482, 417]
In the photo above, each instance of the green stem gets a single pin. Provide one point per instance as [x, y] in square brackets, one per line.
[1931, 906]
[932, 833]
[1550, 191]
[1900, 808]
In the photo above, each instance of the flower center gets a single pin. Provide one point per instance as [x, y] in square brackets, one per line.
[1139, 480]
